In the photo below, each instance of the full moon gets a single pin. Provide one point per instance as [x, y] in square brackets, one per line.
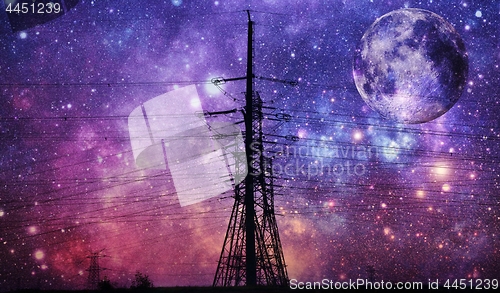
[410, 66]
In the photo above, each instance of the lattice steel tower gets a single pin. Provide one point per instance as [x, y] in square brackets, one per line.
[252, 253]
[94, 270]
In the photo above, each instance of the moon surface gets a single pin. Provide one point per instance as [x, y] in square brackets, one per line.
[410, 66]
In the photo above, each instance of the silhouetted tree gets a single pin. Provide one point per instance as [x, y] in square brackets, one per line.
[105, 285]
[141, 281]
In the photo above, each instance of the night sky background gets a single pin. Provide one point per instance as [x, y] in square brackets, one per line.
[423, 204]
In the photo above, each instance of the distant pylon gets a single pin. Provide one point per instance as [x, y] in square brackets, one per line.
[94, 270]
[252, 254]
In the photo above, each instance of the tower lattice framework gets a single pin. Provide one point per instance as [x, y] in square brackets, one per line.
[270, 268]
[252, 253]
[94, 270]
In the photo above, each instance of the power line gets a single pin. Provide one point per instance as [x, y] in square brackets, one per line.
[106, 84]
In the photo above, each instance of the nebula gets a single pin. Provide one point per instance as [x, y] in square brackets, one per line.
[356, 195]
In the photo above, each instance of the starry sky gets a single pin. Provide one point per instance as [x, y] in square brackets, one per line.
[352, 190]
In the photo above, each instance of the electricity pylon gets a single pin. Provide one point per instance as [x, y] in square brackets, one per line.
[94, 270]
[251, 254]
